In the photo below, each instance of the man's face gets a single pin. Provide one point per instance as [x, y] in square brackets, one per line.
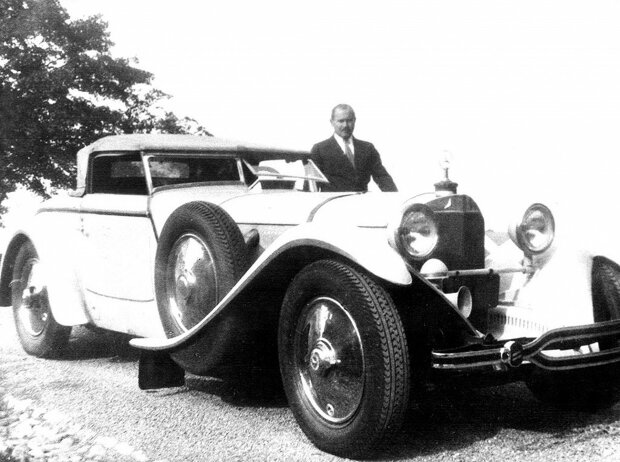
[343, 123]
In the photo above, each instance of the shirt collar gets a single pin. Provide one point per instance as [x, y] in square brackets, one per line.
[340, 140]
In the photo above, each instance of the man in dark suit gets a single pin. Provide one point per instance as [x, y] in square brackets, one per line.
[348, 163]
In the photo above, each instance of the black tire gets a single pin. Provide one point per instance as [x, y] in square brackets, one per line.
[343, 358]
[593, 388]
[200, 256]
[605, 291]
[218, 250]
[39, 333]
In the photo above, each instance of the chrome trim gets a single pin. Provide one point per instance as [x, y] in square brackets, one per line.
[395, 225]
[314, 211]
[330, 361]
[479, 272]
[515, 352]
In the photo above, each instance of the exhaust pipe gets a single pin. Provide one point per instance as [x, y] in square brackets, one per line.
[461, 300]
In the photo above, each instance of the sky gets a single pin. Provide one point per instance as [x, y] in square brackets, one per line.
[524, 94]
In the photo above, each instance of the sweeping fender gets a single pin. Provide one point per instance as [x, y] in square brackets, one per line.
[367, 248]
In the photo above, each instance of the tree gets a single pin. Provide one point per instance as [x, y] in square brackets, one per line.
[61, 89]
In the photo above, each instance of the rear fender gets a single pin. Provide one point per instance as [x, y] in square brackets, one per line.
[59, 254]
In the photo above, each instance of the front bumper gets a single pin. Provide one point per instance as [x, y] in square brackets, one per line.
[557, 349]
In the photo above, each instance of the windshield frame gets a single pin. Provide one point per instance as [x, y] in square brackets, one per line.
[262, 174]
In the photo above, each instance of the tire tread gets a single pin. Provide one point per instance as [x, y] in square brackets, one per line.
[227, 242]
[392, 353]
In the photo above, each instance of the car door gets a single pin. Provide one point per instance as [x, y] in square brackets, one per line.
[118, 230]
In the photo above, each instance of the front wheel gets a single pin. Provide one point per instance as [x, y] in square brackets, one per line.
[343, 358]
[589, 389]
[38, 331]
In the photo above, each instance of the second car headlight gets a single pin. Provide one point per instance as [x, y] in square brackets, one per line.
[536, 231]
[414, 234]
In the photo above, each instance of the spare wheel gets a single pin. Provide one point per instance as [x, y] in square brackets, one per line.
[201, 254]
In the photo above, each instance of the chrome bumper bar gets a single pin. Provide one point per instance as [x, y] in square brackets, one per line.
[478, 272]
[514, 353]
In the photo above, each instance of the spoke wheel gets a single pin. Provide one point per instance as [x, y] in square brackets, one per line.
[38, 331]
[343, 358]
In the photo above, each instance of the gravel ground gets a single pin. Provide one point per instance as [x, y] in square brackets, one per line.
[87, 407]
[32, 434]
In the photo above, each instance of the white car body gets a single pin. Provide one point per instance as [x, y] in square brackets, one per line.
[532, 304]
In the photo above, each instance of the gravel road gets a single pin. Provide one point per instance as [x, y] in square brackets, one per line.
[89, 407]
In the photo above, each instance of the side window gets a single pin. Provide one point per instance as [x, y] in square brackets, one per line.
[118, 174]
[180, 170]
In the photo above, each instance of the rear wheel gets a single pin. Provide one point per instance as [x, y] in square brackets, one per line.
[588, 389]
[38, 332]
[343, 358]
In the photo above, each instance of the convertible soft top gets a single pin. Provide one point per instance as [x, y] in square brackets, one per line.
[178, 143]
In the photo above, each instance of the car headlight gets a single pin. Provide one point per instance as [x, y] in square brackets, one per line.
[414, 233]
[536, 231]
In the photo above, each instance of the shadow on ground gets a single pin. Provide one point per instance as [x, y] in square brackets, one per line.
[455, 419]
[243, 386]
[87, 343]
[445, 420]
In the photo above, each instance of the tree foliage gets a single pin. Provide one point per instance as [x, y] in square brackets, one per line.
[60, 89]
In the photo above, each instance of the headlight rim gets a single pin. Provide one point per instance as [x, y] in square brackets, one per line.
[519, 229]
[395, 235]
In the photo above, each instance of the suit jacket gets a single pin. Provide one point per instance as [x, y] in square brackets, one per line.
[342, 176]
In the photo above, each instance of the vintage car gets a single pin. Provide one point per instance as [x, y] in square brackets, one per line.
[203, 249]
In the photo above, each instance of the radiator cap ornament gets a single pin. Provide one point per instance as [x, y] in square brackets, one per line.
[446, 186]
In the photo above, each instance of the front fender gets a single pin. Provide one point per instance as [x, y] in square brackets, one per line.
[367, 248]
[555, 292]
[59, 253]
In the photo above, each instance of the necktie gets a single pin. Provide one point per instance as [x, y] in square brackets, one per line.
[348, 153]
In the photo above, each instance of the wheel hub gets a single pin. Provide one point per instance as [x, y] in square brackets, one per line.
[33, 308]
[31, 296]
[323, 357]
[330, 359]
[191, 280]
[186, 283]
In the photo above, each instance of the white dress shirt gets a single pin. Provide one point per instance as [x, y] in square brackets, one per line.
[341, 142]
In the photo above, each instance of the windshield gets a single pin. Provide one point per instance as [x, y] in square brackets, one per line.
[256, 172]
[301, 175]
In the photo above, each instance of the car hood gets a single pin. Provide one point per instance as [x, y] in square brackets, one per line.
[372, 209]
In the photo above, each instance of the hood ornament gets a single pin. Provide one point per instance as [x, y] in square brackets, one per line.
[446, 186]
